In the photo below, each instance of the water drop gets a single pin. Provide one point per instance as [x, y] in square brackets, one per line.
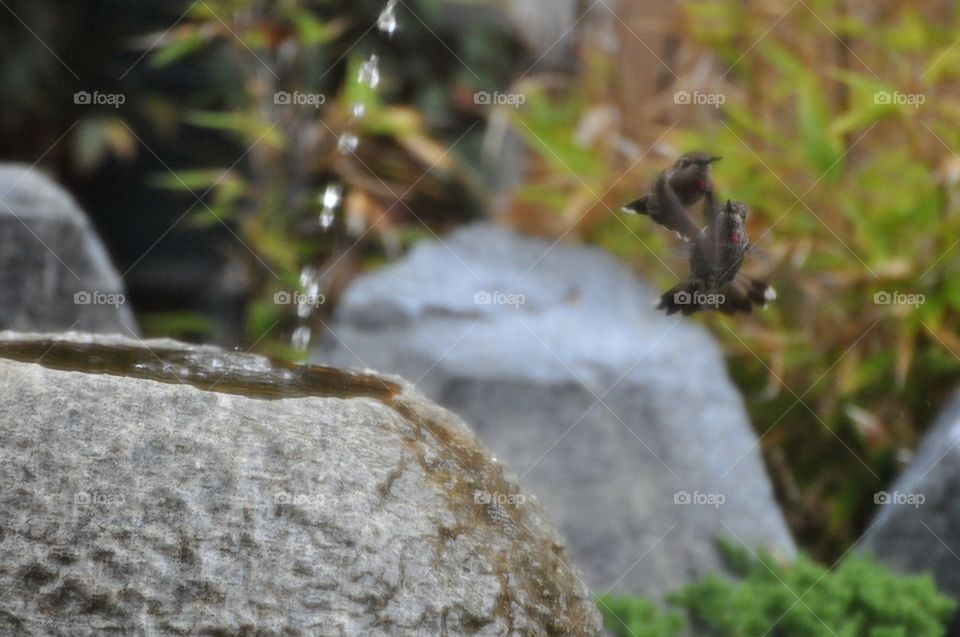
[387, 22]
[330, 200]
[310, 298]
[301, 337]
[332, 196]
[370, 72]
[308, 276]
[359, 110]
[348, 143]
[327, 218]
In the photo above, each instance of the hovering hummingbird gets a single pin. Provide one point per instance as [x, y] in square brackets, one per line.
[715, 280]
[689, 179]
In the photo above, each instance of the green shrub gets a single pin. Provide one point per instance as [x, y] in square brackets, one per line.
[857, 598]
[635, 617]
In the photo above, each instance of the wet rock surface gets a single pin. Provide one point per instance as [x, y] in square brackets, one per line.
[55, 273]
[162, 489]
[621, 420]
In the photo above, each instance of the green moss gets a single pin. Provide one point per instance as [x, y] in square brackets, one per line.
[856, 598]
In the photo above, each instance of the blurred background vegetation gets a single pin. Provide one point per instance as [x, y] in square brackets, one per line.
[210, 193]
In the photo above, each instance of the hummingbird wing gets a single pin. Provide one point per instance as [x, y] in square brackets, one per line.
[756, 251]
[670, 212]
[709, 209]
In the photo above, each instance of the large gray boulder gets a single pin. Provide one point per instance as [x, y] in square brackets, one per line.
[622, 420]
[162, 489]
[915, 528]
[55, 274]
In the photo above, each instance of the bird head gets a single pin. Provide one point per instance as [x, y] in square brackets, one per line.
[694, 168]
[731, 221]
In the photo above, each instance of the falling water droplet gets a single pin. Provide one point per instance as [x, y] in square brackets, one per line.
[307, 302]
[348, 143]
[370, 72]
[301, 337]
[327, 218]
[309, 276]
[310, 298]
[329, 201]
[332, 196]
[387, 22]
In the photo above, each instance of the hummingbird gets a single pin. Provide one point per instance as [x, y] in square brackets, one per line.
[715, 280]
[689, 178]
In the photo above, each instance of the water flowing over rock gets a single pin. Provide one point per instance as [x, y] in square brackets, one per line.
[164, 489]
[621, 420]
[55, 274]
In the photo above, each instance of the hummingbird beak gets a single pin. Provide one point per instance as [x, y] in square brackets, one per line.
[713, 159]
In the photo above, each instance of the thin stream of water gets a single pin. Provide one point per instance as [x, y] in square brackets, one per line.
[330, 200]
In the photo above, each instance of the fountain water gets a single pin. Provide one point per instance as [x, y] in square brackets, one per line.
[331, 200]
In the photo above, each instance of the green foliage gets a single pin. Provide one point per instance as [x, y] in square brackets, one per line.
[271, 193]
[857, 598]
[633, 617]
[547, 124]
[854, 196]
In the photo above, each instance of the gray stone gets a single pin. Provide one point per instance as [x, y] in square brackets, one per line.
[915, 528]
[55, 274]
[548, 28]
[609, 410]
[163, 489]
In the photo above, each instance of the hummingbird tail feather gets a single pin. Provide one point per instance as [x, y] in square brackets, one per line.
[684, 297]
[744, 293]
[636, 207]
